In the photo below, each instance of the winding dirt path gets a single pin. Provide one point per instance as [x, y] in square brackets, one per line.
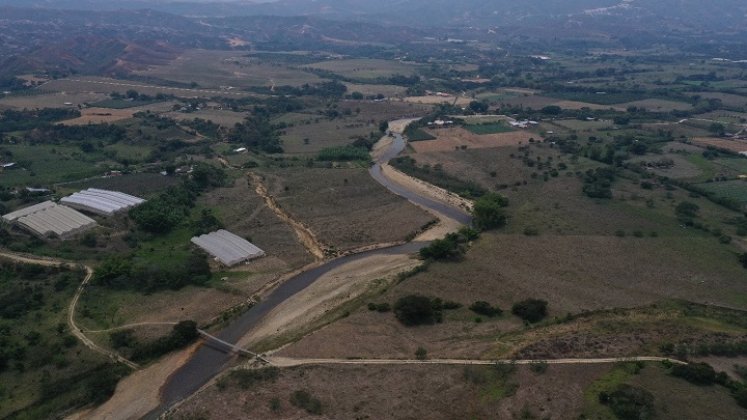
[74, 329]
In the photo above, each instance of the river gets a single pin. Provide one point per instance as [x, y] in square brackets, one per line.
[209, 361]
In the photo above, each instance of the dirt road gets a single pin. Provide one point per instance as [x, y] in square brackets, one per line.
[290, 362]
[77, 332]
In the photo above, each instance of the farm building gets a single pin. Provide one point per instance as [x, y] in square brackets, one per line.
[47, 218]
[102, 202]
[227, 248]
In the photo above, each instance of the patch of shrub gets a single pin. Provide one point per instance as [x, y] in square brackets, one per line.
[183, 333]
[696, 373]
[415, 310]
[122, 338]
[743, 260]
[598, 183]
[379, 307]
[247, 378]
[629, 402]
[538, 367]
[488, 211]
[343, 154]
[421, 353]
[448, 248]
[530, 310]
[484, 308]
[303, 399]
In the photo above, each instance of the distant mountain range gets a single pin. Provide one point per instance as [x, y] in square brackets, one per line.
[102, 37]
[668, 14]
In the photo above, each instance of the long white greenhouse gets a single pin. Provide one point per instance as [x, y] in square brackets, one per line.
[47, 219]
[102, 202]
[227, 248]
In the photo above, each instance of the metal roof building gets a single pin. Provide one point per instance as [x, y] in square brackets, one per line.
[227, 248]
[47, 218]
[102, 202]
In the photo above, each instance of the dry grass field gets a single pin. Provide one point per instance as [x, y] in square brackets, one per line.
[223, 117]
[322, 132]
[657, 105]
[386, 90]
[733, 145]
[101, 115]
[46, 99]
[104, 85]
[212, 69]
[345, 208]
[404, 392]
[366, 68]
[436, 99]
[450, 139]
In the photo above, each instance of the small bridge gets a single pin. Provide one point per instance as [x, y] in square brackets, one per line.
[228, 347]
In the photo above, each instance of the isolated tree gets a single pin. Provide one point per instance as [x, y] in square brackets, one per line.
[630, 402]
[414, 310]
[717, 129]
[478, 107]
[488, 211]
[530, 310]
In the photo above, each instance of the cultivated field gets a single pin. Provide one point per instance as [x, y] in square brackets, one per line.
[213, 69]
[101, 116]
[733, 145]
[345, 208]
[104, 85]
[366, 68]
[42, 98]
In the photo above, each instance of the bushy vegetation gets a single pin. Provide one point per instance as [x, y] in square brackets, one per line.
[696, 373]
[37, 351]
[488, 211]
[598, 182]
[447, 249]
[415, 310]
[12, 120]
[258, 134]
[303, 399]
[248, 378]
[530, 310]
[484, 308]
[437, 176]
[124, 273]
[629, 402]
[162, 214]
[343, 154]
[183, 333]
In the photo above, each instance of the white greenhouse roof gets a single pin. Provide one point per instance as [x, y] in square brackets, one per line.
[102, 202]
[49, 218]
[12, 217]
[227, 248]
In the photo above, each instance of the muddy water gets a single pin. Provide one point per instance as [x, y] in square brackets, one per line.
[208, 360]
